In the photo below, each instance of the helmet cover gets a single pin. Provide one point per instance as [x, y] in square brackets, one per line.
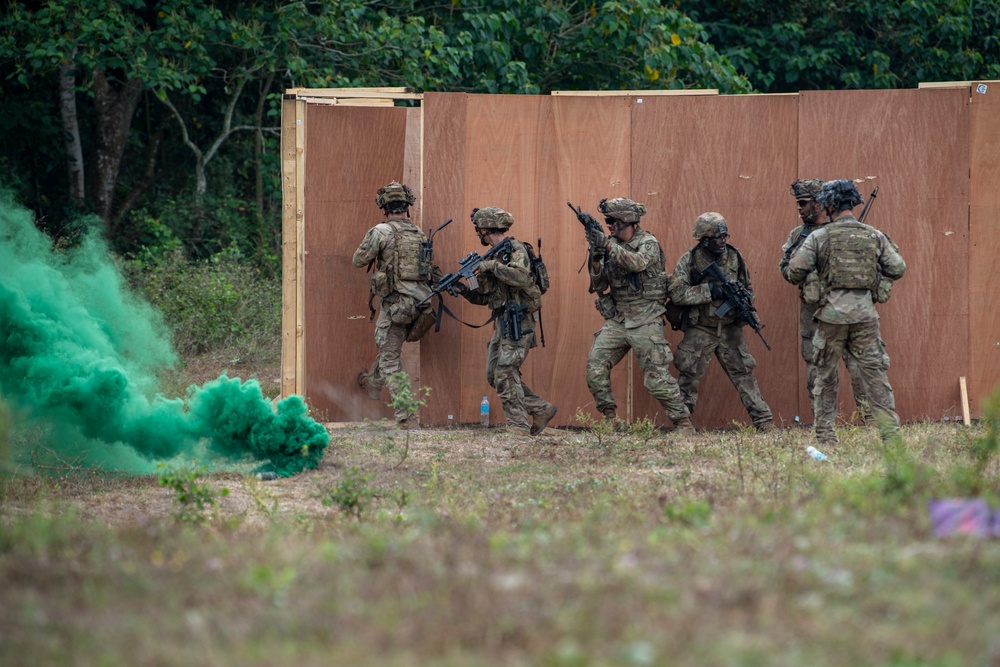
[709, 224]
[622, 209]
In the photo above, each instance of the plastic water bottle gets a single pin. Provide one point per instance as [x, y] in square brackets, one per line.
[484, 412]
[815, 453]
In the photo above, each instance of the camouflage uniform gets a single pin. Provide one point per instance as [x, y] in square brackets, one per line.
[400, 281]
[504, 281]
[847, 322]
[630, 280]
[708, 335]
[806, 190]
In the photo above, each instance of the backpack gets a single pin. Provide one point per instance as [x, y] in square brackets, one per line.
[538, 270]
[541, 276]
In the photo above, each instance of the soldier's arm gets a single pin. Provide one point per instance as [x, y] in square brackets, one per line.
[598, 277]
[803, 262]
[516, 272]
[635, 261]
[787, 250]
[682, 292]
[744, 277]
[890, 262]
[370, 247]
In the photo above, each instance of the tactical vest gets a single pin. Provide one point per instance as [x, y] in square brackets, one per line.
[851, 257]
[649, 284]
[405, 260]
[531, 295]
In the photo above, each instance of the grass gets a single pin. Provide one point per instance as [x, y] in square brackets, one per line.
[482, 549]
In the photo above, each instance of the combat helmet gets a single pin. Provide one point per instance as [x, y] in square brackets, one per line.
[708, 225]
[394, 192]
[491, 217]
[839, 195]
[622, 209]
[806, 188]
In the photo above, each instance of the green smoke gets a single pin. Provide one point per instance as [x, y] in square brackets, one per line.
[79, 357]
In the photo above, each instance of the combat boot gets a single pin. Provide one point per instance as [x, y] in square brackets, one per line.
[374, 393]
[766, 427]
[683, 426]
[541, 420]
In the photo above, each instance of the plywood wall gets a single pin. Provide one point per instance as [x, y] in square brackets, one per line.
[681, 156]
[914, 145]
[351, 152]
[984, 242]
[529, 156]
[734, 155]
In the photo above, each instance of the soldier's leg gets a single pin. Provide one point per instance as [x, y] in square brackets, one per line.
[390, 346]
[507, 379]
[533, 403]
[492, 354]
[866, 347]
[652, 351]
[857, 388]
[829, 344]
[736, 360]
[694, 354]
[807, 329]
[610, 347]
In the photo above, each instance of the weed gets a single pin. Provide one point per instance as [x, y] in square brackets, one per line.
[404, 399]
[352, 495]
[602, 428]
[692, 513]
[194, 501]
[264, 500]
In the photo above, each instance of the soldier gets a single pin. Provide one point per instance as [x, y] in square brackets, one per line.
[852, 261]
[707, 334]
[628, 272]
[508, 287]
[402, 278]
[805, 192]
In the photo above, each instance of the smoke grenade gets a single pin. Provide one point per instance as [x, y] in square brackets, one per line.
[79, 358]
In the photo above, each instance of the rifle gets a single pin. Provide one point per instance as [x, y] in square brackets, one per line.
[871, 198]
[737, 298]
[467, 269]
[589, 223]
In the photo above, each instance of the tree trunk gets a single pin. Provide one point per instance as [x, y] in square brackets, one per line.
[258, 145]
[115, 110]
[71, 127]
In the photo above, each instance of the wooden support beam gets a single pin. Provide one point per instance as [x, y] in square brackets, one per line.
[355, 93]
[634, 93]
[964, 388]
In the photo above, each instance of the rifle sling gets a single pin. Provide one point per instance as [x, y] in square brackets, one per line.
[444, 309]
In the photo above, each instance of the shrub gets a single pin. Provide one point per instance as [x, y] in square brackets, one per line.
[220, 303]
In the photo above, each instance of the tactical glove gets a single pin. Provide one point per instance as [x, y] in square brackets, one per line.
[597, 238]
[718, 293]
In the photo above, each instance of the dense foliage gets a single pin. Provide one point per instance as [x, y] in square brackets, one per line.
[162, 117]
[792, 45]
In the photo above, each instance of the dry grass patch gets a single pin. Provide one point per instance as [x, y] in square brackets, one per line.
[471, 547]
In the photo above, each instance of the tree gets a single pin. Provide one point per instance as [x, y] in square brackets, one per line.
[203, 79]
[791, 45]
